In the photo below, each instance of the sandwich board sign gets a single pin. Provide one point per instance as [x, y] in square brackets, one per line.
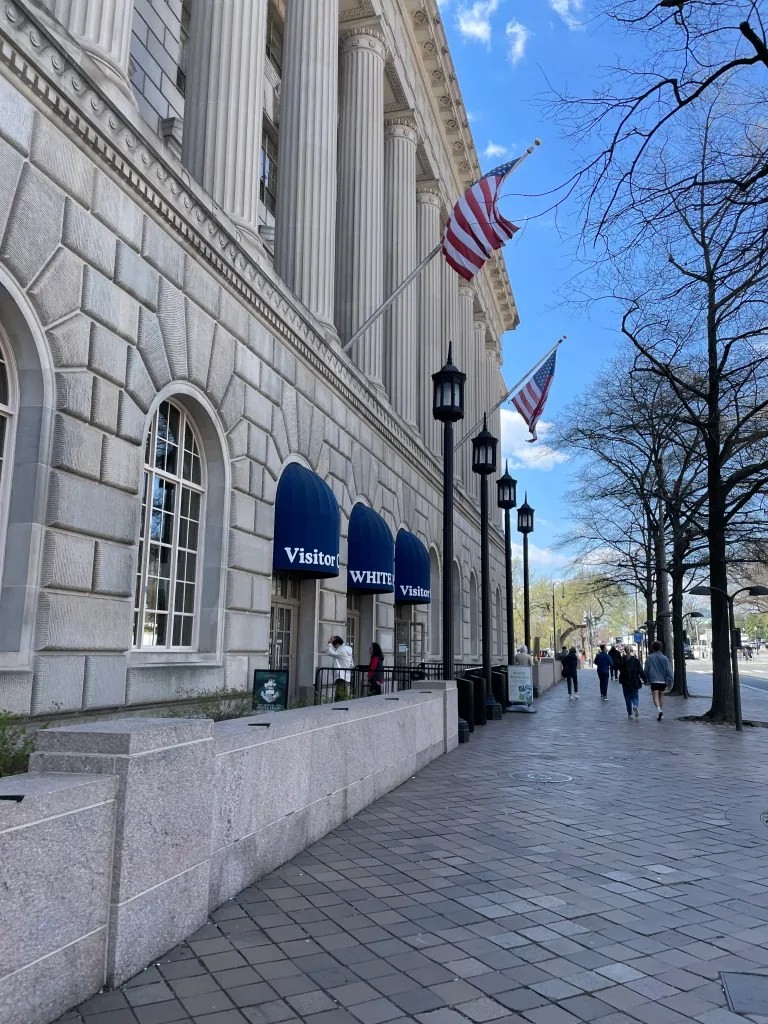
[519, 684]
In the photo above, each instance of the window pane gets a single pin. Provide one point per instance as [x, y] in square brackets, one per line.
[186, 634]
[4, 393]
[177, 632]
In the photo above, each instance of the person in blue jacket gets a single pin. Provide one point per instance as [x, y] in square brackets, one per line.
[604, 664]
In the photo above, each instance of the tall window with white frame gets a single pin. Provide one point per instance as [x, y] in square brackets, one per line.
[170, 542]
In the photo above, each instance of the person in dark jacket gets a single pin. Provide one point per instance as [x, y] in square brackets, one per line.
[570, 670]
[631, 677]
[604, 665]
[375, 670]
[615, 654]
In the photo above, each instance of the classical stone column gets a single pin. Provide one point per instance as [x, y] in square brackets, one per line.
[305, 228]
[360, 203]
[224, 104]
[400, 362]
[431, 345]
[471, 364]
[103, 29]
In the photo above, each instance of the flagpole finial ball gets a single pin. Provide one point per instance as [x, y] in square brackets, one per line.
[537, 142]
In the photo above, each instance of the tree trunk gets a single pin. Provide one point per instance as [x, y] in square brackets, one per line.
[680, 687]
[722, 709]
[664, 623]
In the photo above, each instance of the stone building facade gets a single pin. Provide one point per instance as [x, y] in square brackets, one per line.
[199, 203]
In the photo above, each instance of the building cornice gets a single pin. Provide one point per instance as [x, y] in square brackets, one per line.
[51, 78]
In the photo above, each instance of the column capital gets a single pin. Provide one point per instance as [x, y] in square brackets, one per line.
[402, 126]
[466, 289]
[480, 321]
[429, 194]
[364, 37]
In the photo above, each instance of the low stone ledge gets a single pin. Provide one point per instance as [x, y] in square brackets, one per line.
[56, 847]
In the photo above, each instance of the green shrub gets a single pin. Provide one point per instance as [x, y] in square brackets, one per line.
[17, 741]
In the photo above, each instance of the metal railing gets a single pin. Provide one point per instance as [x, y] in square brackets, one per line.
[332, 685]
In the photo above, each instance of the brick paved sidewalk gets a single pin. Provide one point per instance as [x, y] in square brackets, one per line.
[476, 893]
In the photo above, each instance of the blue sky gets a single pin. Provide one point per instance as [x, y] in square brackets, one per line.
[508, 54]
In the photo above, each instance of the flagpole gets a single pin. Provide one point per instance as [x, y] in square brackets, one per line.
[388, 302]
[514, 387]
[413, 274]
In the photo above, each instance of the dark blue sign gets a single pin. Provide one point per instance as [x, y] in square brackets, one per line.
[371, 553]
[307, 525]
[412, 576]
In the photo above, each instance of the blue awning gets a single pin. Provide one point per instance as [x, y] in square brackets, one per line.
[371, 553]
[412, 576]
[307, 525]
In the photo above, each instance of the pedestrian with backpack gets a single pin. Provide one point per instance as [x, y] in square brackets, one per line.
[604, 665]
[631, 677]
[570, 670]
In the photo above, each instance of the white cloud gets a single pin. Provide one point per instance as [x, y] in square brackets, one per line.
[474, 20]
[492, 150]
[539, 556]
[569, 11]
[517, 39]
[520, 453]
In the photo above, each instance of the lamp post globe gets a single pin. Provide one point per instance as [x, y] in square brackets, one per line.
[448, 408]
[448, 392]
[525, 526]
[506, 499]
[484, 463]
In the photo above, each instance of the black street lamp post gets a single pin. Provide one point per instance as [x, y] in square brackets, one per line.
[484, 464]
[757, 591]
[525, 526]
[507, 500]
[448, 408]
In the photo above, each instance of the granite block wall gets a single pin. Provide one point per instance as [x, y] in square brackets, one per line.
[130, 831]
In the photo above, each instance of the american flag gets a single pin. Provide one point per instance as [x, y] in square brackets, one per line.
[475, 227]
[532, 396]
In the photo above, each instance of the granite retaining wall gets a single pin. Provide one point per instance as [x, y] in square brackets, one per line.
[130, 831]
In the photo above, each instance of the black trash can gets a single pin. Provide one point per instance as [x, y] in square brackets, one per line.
[466, 701]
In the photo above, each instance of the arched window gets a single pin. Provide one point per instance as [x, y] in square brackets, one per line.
[435, 608]
[170, 541]
[458, 615]
[8, 410]
[474, 618]
[499, 626]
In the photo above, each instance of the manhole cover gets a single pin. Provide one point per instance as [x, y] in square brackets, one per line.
[764, 817]
[541, 776]
[746, 993]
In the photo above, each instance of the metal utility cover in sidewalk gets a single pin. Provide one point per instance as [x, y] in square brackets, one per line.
[746, 993]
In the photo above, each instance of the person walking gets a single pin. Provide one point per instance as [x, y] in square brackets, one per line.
[615, 654]
[570, 669]
[561, 656]
[631, 677]
[658, 672]
[375, 670]
[604, 665]
[343, 660]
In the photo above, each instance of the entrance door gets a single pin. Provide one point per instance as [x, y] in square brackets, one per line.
[402, 638]
[353, 627]
[283, 621]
